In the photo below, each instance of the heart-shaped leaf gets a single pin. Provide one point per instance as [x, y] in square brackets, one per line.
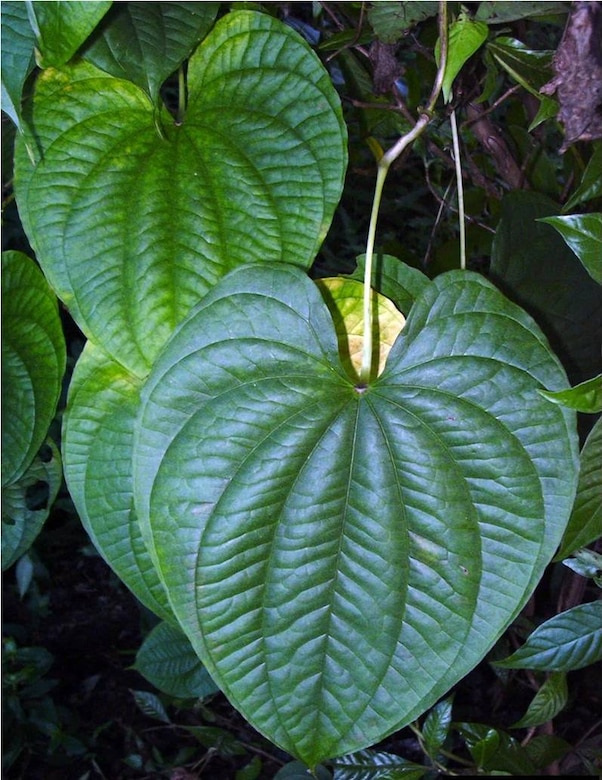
[339, 556]
[33, 362]
[98, 433]
[142, 224]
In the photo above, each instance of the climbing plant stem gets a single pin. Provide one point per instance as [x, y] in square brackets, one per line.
[425, 116]
[181, 95]
[460, 186]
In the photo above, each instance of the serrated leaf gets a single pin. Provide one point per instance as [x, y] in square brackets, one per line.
[61, 27]
[549, 700]
[585, 397]
[146, 42]
[375, 765]
[345, 301]
[363, 548]
[465, 37]
[98, 435]
[585, 523]
[140, 225]
[23, 513]
[568, 641]
[151, 705]
[166, 659]
[18, 61]
[33, 362]
[583, 234]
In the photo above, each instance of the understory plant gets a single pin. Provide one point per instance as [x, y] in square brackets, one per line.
[336, 487]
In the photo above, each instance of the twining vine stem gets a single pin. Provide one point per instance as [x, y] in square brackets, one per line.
[426, 114]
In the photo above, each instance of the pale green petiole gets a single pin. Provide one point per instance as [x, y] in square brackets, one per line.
[383, 168]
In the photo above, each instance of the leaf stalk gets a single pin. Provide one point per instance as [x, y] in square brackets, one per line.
[425, 117]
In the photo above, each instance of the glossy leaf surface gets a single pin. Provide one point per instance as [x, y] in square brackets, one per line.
[583, 234]
[33, 362]
[568, 641]
[147, 214]
[340, 558]
[585, 397]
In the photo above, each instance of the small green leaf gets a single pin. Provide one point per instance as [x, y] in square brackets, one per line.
[586, 563]
[544, 749]
[151, 705]
[585, 397]
[147, 42]
[466, 36]
[568, 641]
[529, 68]
[549, 700]
[585, 523]
[33, 362]
[590, 186]
[436, 727]
[166, 659]
[250, 771]
[375, 765]
[62, 27]
[583, 234]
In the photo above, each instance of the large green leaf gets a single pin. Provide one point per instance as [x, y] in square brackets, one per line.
[61, 27]
[146, 42]
[339, 556]
[33, 362]
[97, 449]
[132, 227]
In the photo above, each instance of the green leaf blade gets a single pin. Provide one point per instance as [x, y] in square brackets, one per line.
[131, 245]
[279, 574]
[18, 61]
[568, 641]
[583, 234]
